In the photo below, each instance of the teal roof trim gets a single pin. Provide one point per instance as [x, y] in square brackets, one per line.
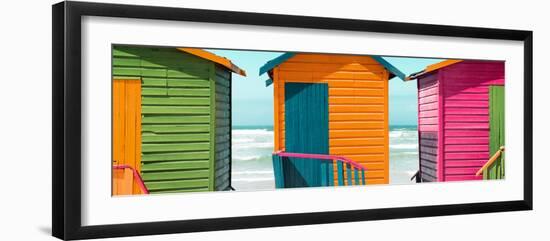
[389, 67]
[274, 62]
[268, 82]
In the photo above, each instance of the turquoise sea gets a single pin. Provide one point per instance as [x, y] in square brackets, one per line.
[252, 165]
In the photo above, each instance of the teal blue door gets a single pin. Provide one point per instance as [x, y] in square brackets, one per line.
[306, 131]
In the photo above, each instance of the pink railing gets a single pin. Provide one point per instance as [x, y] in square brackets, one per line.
[137, 177]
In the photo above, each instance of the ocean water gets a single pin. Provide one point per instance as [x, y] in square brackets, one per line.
[403, 154]
[253, 169]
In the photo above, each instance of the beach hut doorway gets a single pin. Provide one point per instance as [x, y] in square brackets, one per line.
[306, 116]
[126, 134]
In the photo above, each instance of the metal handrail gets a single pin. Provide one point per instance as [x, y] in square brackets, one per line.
[416, 176]
[491, 161]
[321, 156]
[137, 177]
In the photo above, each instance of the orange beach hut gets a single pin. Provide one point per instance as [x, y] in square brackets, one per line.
[333, 105]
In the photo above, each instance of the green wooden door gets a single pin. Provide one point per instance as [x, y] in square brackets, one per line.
[496, 125]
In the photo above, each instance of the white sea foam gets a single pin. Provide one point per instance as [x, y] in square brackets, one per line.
[253, 145]
[394, 134]
[258, 179]
[246, 158]
[254, 132]
[253, 172]
[242, 140]
[403, 134]
[404, 146]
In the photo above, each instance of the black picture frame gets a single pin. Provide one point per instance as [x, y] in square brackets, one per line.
[66, 127]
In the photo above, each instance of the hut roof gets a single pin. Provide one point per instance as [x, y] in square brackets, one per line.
[214, 58]
[432, 68]
[284, 57]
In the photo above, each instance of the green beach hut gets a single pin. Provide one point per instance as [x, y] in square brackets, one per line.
[172, 118]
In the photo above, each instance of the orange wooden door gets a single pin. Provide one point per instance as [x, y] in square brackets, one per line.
[126, 134]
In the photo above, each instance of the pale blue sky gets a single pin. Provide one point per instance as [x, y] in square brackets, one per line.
[253, 101]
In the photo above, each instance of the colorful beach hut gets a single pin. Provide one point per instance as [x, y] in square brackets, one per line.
[461, 120]
[331, 119]
[171, 120]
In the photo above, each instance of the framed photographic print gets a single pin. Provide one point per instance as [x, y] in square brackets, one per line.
[170, 120]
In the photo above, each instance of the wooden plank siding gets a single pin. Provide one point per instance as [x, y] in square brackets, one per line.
[358, 107]
[462, 124]
[177, 113]
[466, 96]
[428, 131]
[222, 174]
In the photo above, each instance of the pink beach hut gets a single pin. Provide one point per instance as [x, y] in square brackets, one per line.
[460, 120]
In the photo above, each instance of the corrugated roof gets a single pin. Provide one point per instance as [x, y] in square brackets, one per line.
[214, 58]
[284, 57]
[431, 68]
